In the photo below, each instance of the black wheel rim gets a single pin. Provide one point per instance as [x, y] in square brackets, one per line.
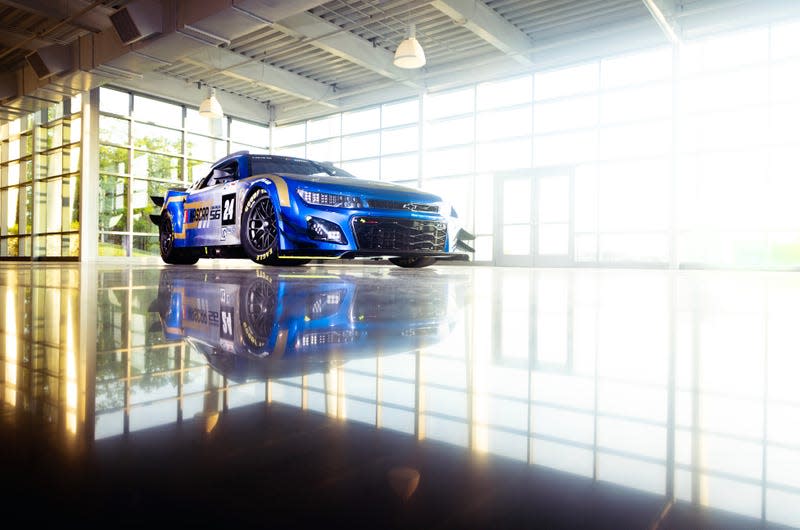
[260, 306]
[260, 226]
[166, 237]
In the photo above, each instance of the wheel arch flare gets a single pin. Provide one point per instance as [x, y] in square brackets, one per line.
[278, 192]
[172, 204]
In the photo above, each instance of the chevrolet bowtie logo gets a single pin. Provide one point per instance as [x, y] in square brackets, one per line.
[411, 206]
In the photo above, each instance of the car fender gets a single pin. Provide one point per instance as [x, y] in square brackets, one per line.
[269, 183]
[173, 205]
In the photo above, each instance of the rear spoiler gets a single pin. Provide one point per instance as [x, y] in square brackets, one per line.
[159, 200]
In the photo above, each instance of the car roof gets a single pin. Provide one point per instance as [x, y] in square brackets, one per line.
[228, 158]
[240, 154]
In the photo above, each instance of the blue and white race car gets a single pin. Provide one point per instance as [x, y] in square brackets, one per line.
[280, 210]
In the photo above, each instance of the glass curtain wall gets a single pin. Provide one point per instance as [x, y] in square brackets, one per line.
[40, 167]
[378, 143]
[146, 146]
[737, 164]
[681, 157]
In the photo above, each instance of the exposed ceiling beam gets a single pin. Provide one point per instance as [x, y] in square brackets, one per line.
[11, 36]
[238, 66]
[95, 19]
[66, 21]
[344, 44]
[188, 93]
[663, 12]
[589, 45]
[488, 25]
[178, 48]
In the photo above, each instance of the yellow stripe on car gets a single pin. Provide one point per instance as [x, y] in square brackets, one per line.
[283, 190]
[308, 257]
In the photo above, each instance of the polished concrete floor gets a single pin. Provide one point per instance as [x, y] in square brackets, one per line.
[372, 396]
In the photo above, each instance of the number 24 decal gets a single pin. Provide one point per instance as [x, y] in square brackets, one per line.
[229, 209]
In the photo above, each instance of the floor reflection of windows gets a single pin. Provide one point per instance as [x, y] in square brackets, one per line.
[677, 383]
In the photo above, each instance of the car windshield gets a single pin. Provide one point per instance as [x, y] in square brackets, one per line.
[295, 166]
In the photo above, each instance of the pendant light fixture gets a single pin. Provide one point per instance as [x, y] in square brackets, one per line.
[210, 107]
[410, 53]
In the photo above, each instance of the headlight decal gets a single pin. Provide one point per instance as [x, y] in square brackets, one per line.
[323, 230]
[334, 200]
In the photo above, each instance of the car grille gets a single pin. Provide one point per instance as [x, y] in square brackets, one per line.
[399, 234]
[400, 205]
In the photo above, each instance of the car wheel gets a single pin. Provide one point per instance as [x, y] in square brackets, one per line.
[166, 244]
[413, 262]
[257, 304]
[259, 229]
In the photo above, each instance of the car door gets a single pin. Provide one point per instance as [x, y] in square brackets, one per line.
[204, 209]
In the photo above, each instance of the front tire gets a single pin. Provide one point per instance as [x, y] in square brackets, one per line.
[258, 302]
[413, 262]
[166, 244]
[259, 234]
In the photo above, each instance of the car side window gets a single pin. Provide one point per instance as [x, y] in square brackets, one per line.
[224, 174]
[203, 182]
[220, 175]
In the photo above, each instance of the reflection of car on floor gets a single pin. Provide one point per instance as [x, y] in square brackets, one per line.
[287, 211]
[254, 324]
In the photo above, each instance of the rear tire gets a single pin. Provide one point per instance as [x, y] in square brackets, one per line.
[259, 234]
[166, 244]
[413, 262]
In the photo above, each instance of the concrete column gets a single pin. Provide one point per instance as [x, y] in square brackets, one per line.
[90, 174]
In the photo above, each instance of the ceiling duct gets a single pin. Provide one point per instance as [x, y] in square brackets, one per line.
[137, 20]
[145, 35]
[50, 60]
[8, 85]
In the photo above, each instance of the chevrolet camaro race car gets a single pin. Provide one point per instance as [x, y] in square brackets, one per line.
[280, 210]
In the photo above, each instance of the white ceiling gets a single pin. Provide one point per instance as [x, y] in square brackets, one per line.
[294, 59]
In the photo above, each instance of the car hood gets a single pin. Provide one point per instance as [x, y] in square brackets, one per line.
[353, 185]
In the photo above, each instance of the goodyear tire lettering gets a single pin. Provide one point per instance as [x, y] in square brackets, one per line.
[264, 256]
[258, 193]
[251, 336]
